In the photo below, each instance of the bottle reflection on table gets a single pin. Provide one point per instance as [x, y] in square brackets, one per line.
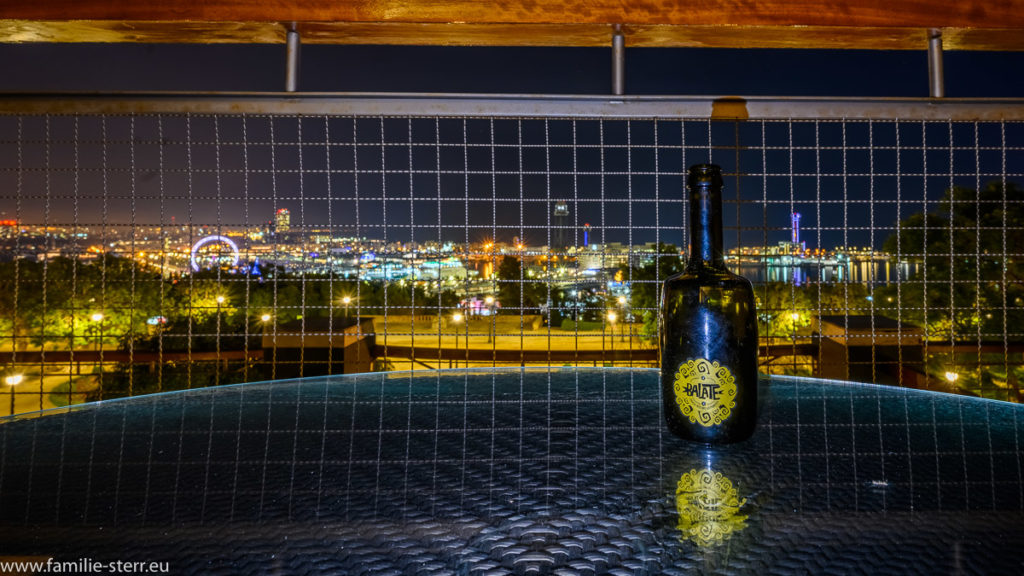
[708, 505]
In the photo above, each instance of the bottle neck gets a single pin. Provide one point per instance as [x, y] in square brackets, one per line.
[705, 227]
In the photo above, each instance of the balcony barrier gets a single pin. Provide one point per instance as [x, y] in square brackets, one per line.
[154, 242]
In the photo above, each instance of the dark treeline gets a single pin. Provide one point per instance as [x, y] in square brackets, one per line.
[115, 303]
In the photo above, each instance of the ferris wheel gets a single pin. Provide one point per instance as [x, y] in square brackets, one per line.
[214, 251]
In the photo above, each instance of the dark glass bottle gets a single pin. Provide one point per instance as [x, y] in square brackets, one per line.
[708, 330]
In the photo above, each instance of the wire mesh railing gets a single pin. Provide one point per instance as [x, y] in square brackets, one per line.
[153, 250]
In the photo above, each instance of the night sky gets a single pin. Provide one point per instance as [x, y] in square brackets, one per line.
[455, 180]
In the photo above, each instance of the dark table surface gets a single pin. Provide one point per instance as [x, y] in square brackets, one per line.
[558, 470]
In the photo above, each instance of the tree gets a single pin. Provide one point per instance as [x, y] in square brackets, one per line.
[969, 282]
[645, 285]
[71, 304]
[516, 291]
[838, 298]
[783, 310]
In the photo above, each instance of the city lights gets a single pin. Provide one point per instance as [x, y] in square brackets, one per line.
[13, 379]
[587, 287]
[195, 257]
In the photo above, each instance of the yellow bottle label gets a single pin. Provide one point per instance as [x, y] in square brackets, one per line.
[708, 506]
[705, 392]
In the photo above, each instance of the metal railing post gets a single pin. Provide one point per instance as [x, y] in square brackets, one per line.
[936, 79]
[618, 61]
[291, 70]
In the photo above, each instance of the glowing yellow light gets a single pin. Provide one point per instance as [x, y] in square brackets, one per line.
[612, 316]
[13, 379]
[346, 300]
[265, 318]
[220, 299]
[952, 376]
[795, 316]
[622, 300]
[489, 300]
[97, 317]
[456, 317]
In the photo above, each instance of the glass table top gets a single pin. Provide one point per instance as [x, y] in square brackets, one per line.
[524, 471]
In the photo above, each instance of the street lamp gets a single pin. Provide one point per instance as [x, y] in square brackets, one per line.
[220, 299]
[13, 380]
[346, 301]
[97, 317]
[612, 317]
[625, 318]
[456, 319]
[265, 318]
[489, 301]
[952, 377]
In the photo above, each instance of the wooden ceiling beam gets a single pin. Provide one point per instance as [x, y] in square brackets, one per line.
[867, 24]
[846, 13]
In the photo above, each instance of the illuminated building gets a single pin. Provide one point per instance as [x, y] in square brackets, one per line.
[282, 221]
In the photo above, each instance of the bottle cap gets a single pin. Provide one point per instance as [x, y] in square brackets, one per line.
[705, 175]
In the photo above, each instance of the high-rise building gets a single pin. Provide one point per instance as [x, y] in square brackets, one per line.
[561, 222]
[797, 244]
[282, 221]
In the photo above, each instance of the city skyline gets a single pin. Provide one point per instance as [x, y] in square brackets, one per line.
[314, 236]
[542, 234]
[468, 179]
